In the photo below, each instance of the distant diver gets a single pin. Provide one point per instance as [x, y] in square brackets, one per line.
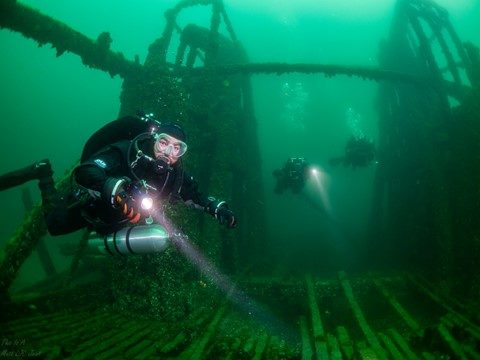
[292, 176]
[129, 169]
[359, 152]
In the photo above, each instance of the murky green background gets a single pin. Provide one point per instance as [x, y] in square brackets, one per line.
[50, 105]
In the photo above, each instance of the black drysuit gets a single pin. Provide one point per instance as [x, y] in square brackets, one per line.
[113, 162]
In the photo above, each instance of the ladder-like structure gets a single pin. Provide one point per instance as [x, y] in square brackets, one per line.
[366, 317]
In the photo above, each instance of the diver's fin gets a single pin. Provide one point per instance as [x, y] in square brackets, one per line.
[37, 171]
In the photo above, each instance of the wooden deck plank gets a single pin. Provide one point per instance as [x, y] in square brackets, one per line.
[404, 314]
[402, 344]
[307, 352]
[319, 339]
[362, 321]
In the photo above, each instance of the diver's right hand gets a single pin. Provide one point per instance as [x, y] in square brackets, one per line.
[128, 206]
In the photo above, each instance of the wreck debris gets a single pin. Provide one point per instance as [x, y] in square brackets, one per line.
[318, 332]
[346, 344]
[307, 352]
[105, 334]
[23, 242]
[398, 307]
[362, 321]
[44, 29]
[193, 338]
[42, 250]
[402, 344]
[451, 342]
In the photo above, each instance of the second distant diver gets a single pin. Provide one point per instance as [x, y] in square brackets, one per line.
[359, 152]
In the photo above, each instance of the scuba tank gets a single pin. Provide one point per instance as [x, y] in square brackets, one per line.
[142, 239]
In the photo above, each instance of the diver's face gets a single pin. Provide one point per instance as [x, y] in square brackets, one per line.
[168, 148]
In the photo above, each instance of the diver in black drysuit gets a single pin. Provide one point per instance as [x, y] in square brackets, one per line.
[292, 176]
[107, 183]
[359, 152]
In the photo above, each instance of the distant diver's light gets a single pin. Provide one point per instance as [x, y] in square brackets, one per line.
[147, 203]
[321, 181]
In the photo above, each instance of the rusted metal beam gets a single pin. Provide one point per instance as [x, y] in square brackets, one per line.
[118, 350]
[334, 348]
[390, 346]
[42, 250]
[108, 332]
[364, 352]
[318, 331]
[404, 314]
[458, 91]
[100, 350]
[23, 242]
[46, 30]
[78, 331]
[451, 342]
[428, 56]
[402, 344]
[461, 52]
[364, 72]
[427, 356]
[346, 345]
[234, 349]
[196, 350]
[358, 313]
[446, 51]
[261, 346]
[29, 326]
[179, 336]
[79, 253]
[139, 348]
[249, 345]
[307, 352]
[456, 316]
[228, 23]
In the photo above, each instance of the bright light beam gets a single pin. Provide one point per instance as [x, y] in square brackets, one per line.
[147, 203]
[321, 182]
[223, 282]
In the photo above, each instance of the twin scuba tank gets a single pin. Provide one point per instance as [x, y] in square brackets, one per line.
[141, 239]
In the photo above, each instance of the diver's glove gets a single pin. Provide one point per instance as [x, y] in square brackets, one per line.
[42, 171]
[129, 206]
[221, 212]
[120, 194]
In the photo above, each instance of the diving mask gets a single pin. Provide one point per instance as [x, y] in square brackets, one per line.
[166, 145]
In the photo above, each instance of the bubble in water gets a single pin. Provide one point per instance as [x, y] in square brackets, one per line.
[354, 121]
[295, 99]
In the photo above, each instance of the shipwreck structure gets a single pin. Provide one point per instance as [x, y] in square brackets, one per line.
[428, 101]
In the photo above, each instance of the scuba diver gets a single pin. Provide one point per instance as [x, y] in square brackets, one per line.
[292, 176]
[359, 152]
[129, 169]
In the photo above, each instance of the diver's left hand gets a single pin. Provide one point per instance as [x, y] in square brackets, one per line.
[226, 217]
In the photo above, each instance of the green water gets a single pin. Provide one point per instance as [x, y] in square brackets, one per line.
[50, 105]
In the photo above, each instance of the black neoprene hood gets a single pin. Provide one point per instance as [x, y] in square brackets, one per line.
[173, 130]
